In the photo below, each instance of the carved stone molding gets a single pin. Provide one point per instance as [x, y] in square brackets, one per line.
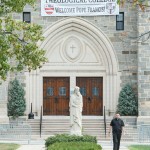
[76, 48]
[72, 49]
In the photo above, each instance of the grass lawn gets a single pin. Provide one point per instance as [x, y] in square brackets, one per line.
[6, 146]
[139, 147]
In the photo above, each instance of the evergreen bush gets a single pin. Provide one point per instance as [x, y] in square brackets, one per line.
[16, 100]
[69, 138]
[127, 103]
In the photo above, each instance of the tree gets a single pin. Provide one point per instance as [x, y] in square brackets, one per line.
[143, 4]
[16, 100]
[127, 103]
[18, 40]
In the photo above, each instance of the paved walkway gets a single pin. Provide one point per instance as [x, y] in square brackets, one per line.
[32, 147]
[42, 147]
[109, 146]
[39, 145]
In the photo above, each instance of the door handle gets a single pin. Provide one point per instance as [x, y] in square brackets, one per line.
[56, 99]
[89, 99]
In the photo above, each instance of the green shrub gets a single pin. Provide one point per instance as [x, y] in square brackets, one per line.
[74, 146]
[127, 103]
[69, 138]
[16, 99]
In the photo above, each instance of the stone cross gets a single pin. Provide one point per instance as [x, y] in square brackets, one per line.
[72, 47]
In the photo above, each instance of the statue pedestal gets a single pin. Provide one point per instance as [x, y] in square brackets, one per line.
[78, 133]
[3, 112]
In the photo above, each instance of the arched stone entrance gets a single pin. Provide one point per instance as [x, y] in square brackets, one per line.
[76, 48]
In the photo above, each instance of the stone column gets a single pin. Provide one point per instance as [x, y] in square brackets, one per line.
[32, 92]
[72, 82]
[144, 68]
[3, 103]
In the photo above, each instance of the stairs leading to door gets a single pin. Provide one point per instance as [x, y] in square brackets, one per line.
[94, 127]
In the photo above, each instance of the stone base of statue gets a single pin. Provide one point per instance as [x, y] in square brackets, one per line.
[76, 130]
[78, 133]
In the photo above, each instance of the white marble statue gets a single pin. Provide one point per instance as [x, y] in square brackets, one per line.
[76, 104]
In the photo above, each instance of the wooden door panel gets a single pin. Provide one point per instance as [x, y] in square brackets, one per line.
[55, 102]
[63, 96]
[92, 94]
[48, 96]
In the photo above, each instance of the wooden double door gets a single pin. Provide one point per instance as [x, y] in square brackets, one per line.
[56, 94]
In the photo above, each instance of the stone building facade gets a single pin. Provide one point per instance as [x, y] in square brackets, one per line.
[102, 51]
[143, 66]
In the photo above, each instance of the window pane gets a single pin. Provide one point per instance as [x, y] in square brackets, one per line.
[83, 91]
[27, 17]
[120, 26]
[50, 91]
[120, 17]
[62, 91]
[95, 91]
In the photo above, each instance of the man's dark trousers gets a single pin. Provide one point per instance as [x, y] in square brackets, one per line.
[116, 140]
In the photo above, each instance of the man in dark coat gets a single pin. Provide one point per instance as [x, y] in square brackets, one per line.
[117, 127]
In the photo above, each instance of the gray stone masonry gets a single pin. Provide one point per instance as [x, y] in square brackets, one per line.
[3, 103]
[144, 64]
[126, 52]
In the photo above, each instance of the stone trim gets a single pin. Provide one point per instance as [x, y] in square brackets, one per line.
[108, 68]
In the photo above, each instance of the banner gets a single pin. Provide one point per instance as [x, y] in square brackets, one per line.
[79, 7]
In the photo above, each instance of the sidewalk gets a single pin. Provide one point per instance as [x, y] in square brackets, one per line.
[105, 146]
[32, 147]
[40, 145]
[109, 146]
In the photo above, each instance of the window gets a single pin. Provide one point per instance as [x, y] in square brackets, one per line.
[27, 17]
[95, 91]
[120, 21]
[50, 91]
[62, 91]
[83, 91]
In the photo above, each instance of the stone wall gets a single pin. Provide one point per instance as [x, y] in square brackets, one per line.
[144, 64]
[3, 102]
[126, 52]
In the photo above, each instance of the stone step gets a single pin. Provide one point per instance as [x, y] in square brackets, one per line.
[85, 127]
[99, 138]
[95, 123]
[84, 124]
[94, 127]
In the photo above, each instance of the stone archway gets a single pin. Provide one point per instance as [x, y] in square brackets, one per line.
[94, 56]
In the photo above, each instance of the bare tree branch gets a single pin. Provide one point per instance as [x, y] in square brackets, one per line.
[125, 37]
